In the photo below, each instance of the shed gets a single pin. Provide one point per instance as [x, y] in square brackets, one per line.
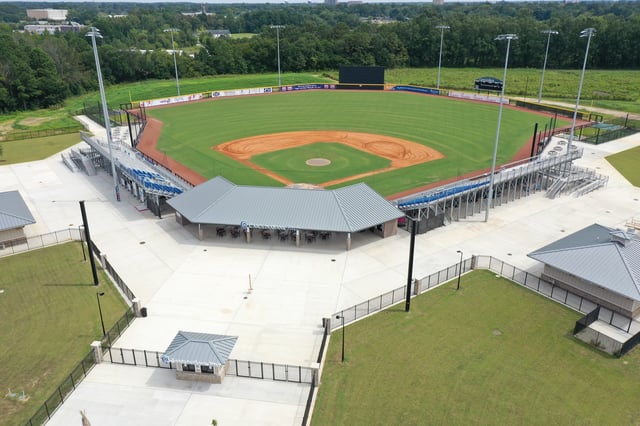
[14, 216]
[200, 356]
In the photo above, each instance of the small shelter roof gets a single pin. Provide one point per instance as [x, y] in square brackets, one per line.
[199, 349]
[14, 213]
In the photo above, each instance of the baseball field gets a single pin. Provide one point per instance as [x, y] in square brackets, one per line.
[393, 141]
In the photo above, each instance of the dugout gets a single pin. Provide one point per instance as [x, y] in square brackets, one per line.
[361, 78]
[488, 83]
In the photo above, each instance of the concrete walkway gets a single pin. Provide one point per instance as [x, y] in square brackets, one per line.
[193, 285]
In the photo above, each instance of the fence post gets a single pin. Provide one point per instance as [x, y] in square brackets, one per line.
[96, 347]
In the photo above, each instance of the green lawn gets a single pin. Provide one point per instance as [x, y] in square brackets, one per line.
[49, 317]
[628, 163]
[345, 162]
[490, 353]
[21, 151]
[463, 131]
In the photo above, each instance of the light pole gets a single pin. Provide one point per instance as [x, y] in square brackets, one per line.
[589, 32]
[441, 28]
[341, 317]
[93, 33]
[175, 63]
[98, 295]
[278, 27]
[459, 269]
[507, 37]
[549, 33]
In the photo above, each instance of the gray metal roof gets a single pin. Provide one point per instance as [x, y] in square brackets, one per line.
[349, 209]
[199, 349]
[14, 213]
[606, 257]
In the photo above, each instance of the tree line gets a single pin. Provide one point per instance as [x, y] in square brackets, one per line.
[39, 71]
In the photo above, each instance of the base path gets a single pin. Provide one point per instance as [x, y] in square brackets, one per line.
[400, 152]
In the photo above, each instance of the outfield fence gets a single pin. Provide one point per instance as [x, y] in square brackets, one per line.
[19, 135]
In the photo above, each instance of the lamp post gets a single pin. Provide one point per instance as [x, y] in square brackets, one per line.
[341, 317]
[507, 37]
[549, 33]
[441, 28]
[175, 63]
[589, 32]
[98, 295]
[459, 269]
[93, 33]
[277, 28]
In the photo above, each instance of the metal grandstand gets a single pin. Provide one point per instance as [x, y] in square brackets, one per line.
[552, 171]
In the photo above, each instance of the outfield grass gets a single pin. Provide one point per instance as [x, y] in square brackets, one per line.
[21, 151]
[463, 131]
[49, 317]
[345, 162]
[490, 353]
[628, 163]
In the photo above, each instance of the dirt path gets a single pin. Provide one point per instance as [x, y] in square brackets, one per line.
[612, 112]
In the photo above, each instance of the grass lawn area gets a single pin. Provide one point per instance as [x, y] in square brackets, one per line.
[463, 131]
[345, 161]
[628, 163]
[49, 317]
[490, 353]
[21, 151]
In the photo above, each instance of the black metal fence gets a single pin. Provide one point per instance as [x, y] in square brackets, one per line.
[398, 295]
[20, 245]
[238, 368]
[553, 291]
[586, 320]
[32, 134]
[630, 344]
[67, 386]
[118, 328]
[114, 275]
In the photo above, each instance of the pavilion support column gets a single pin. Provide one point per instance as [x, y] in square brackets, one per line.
[297, 238]
[348, 240]
[200, 232]
[248, 234]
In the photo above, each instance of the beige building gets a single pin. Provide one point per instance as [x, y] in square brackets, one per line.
[47, 14]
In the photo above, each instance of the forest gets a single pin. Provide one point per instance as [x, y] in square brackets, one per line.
[40, 71]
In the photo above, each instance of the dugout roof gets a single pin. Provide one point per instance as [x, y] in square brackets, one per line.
[14, 213]
[349, 209]
[606, 257]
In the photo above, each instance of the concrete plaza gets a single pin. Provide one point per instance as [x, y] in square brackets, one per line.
[271, 294]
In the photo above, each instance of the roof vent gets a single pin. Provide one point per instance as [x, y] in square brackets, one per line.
[620, 237]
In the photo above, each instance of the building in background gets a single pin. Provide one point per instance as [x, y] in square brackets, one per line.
[47, 14]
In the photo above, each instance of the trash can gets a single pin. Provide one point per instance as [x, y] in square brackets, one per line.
[143, 312]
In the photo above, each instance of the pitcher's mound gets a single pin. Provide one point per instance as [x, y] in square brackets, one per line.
[318, 162]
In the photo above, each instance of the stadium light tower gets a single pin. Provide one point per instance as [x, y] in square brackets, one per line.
[93, 33]
[589, 32]
[175, 63]
[278, 28]
[507, 37]
[549, 33]
[441, 28]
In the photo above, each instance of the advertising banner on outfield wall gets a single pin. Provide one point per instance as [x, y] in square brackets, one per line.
[417, 89]
[241, 92]
[308, 87]
[478, 97]
[172, 100]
